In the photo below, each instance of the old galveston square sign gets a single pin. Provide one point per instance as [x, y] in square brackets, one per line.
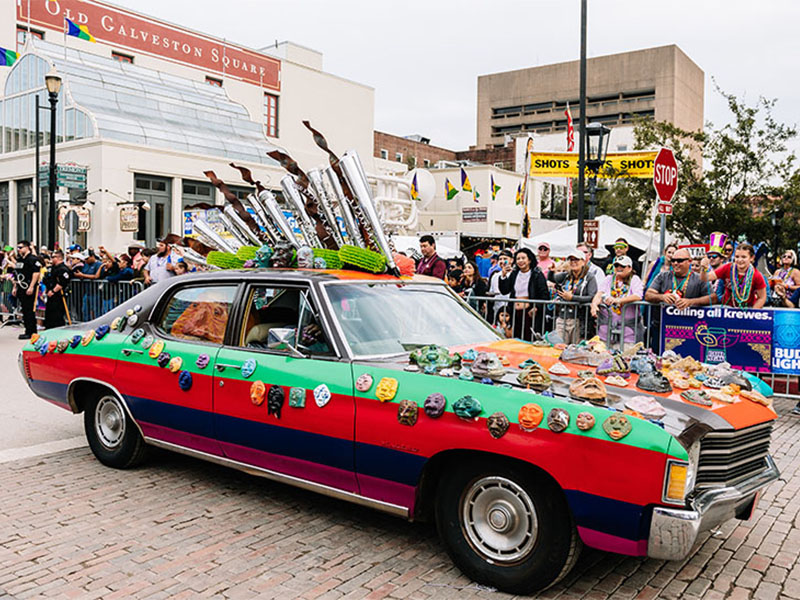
[128, 30]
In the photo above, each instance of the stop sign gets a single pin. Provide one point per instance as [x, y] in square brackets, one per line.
[665, 175]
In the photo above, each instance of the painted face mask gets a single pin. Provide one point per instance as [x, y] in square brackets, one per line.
[43, 349]
[35, 338]
[257, 392]
[467, 407]
[133, 320]
[275, 400]
[616, 380]
[147, 342]
[163, 359]
[202, 361]
[305, 258]
[497, 424]
[248, 367]
[697, 397]
[617, 426]
[435, 356]
[558, 369]
[530, 415]
[534, 377]
[469, 356]
[755, 396]
[584, 421]
[51, 346]
[115, 323]
[123, 323]
[616, 365]
[465, 374]
[263, 255]
[646, 405]
[322, 395]
[654, 381]
[297, 397]
[488, 365]
[101, 332]
[89, 336]
[156, 349]
[386, 390]
[434, 405]
[76, 339]
[557, 420]
[137, 336]
[283, 257]
[175, 364]
[642, 363]
[63, 345]
[407, 412]
[591, 389]
[364, 382]
[185, 381]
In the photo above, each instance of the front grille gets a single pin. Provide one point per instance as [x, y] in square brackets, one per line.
[726, 458]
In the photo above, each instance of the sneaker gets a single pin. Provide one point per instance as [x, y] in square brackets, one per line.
[24, 336]
[796, 410]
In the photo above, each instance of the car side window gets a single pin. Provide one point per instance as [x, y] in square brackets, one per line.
[199, 313]
[281, 318]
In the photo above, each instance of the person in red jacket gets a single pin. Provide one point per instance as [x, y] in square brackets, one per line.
[431, 264]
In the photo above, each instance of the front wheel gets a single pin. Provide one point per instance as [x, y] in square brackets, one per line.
[112, 435]
[506, 526]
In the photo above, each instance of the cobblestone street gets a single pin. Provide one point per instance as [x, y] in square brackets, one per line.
[181, 528]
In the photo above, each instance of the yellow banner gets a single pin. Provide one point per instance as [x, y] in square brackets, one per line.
[619, 164]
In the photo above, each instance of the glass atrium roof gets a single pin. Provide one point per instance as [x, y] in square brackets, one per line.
[134, 104]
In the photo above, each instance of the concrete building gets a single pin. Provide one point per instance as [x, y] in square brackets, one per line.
[149, 107]
[659, 83]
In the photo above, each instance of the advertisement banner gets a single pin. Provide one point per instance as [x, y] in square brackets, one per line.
[786, 342]
[620, 164]
[718, 334]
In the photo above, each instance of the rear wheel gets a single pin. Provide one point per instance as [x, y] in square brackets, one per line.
[506, 526]
[112, 435]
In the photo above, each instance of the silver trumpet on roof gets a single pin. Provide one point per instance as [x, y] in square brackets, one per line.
[211, 238]
[196, 258]
[350, 224]
[268, 201]
[318, 190]
[263, 219]
[295, 201]
[357, 182]
[240, 230]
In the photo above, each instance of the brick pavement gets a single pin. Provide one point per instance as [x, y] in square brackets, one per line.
[181, 528]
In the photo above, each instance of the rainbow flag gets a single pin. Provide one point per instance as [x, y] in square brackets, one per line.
[518, 199]
[8, 57]
[466, 186]
[449, 190]
[79, 31]
[495, 188]
[414, 188]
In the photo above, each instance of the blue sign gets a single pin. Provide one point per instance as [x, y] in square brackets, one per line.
[786, 342]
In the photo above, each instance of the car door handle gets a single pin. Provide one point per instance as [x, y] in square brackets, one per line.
[222, 366]
[129, 351]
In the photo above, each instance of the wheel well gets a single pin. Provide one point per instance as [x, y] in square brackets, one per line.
[439, 463]
[81, 391]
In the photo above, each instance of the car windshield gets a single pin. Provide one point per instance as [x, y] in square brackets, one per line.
[379, 319]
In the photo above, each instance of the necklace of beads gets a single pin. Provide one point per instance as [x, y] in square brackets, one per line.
[618, 291]
[740, 292]
[679, 289]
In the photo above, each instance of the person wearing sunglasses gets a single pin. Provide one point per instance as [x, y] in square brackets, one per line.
[680, 285]
[543, 260]
[788, 274]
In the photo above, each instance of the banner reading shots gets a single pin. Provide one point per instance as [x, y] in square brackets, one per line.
[786, 342]
[718, 334]
[620, 164]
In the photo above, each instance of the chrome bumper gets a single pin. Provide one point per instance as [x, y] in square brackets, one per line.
[673, 531]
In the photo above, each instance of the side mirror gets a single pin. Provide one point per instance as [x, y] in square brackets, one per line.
[283, 340]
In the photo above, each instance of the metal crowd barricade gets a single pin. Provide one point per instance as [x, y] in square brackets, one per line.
[88, 299]
[10, 312]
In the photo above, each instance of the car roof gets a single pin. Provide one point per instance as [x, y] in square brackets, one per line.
[318, 275]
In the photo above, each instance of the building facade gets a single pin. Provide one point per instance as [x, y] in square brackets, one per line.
[147, 109]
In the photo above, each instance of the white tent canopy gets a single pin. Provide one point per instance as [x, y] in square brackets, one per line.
[564, 239]
[446, 247]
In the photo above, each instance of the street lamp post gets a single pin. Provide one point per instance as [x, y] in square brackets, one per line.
[53, 83]
[597, 138]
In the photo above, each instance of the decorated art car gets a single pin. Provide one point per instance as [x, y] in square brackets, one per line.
[392, 393]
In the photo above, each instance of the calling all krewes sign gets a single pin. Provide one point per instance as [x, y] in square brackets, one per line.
[125, 29]
[620, 164]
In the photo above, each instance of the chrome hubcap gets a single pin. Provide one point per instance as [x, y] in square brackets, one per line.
[109, 422]
[499, 519]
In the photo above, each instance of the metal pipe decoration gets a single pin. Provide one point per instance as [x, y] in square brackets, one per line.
[234, 201]
[317, 188]
[240, 226]
[269, 202]
[344, 207]
[237, 240]
[357, 180]
[297, 206]
[265, 222]
[196, 258]
[211, 238]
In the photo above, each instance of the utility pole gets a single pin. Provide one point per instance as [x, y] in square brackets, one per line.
[582, 124]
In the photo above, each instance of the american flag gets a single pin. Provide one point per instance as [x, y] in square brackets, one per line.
[570, 148]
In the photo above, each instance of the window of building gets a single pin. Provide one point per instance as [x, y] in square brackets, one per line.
[398, 156]
[4, 231]
[426, 163]
[384, 154]
[198, 313]
[22, 37]
[122, 57]
[271, 114]
[622, 147]
[195, 192]
[213, 81]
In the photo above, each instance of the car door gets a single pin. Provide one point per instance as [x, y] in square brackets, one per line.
[172, 403]
[283, 398]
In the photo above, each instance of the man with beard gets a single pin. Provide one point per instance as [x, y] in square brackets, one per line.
[55, 283]
[26, 283]
[159, 267]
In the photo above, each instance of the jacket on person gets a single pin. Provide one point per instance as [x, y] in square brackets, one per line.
[537, 285]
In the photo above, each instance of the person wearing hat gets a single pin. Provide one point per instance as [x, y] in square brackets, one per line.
[621, 248]
[159, 267]
[56, 281]
[543, 260]
[576, 285]
[619, 289]
[138, 260]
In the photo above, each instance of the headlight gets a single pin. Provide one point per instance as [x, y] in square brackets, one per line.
[675, 481]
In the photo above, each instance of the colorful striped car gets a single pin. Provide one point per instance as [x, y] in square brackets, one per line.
[304, 377]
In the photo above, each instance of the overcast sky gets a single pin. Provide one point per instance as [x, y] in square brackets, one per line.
[423, 57]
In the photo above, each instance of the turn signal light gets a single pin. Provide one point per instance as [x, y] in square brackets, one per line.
[676, 482]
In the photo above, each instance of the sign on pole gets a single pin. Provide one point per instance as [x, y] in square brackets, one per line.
[591, 232]
[665, 181]
[665, 208]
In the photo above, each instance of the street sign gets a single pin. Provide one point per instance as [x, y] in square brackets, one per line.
[591, 232]
[665, 208]
[68, 176]
[665, 175]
